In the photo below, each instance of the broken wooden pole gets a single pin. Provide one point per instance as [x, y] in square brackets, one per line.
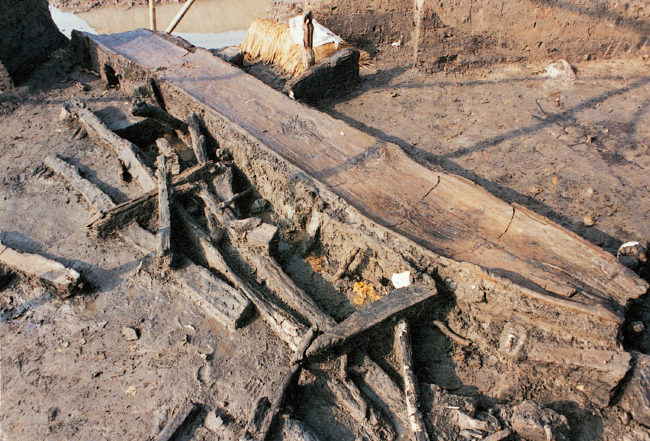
[152, 15]
[164, 148]
[144, 205]
[285, 325]
[126, 151]
[64, 280]
[308, 57]
[271, 418]
[372, 421]
[97, 199]
[451, 334]
[395, 304]
[280, 283]
[227, 305]
[145, 110]
[163, 250]
[404, 353]
[179, 16]
[198, 140]
[223, 215]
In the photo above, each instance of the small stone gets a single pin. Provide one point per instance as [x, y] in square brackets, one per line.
[637, 327]
[213, 422]
[259, 206]
[66, 344]
[223, 155]
[587, 221]
[130, 334]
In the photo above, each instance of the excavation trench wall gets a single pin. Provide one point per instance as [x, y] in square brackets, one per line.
[27, 37]
[459, 33]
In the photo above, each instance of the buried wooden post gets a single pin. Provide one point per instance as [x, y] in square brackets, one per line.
[152, 14]
[403, 349]
[163, 250]
[179, 16]
[308, 57]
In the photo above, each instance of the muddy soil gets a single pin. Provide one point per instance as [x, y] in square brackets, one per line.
[573, 150]
[84, 5]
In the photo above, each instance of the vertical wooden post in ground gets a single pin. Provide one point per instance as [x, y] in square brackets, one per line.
[152, 14]
[308, 57]
[403, 352]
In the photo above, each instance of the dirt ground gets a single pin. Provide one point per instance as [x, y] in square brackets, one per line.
[575, 150]
[84, 5]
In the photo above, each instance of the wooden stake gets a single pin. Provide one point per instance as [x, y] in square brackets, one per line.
[281, 321]
[308, 57]
[93, 194]
[164, 217]
[144, 205]
[343, 268]
[152, 15]
[144, 110]
[198, 140]
[272, 416]
[451, 334]
[127, 152]
[164, 148]
[179, 16]
[403, 351]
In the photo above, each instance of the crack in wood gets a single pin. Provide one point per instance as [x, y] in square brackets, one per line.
[509, 223]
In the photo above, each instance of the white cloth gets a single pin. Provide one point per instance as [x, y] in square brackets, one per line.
[322, 35]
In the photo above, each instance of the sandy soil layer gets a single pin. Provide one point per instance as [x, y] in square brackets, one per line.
[84, 5]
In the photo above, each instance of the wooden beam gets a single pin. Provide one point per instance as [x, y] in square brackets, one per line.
[404, 353]
[163, 250]
[164, 148]
[285, 325]
[198, 140]
[144, 205]
[97, 199]
[145, 110]
[308, 57]
[126, 151]
[229, 306]
[371, 420]
[64, 280]
[396, 303]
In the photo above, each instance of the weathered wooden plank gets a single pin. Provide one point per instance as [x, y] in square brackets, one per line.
[198, 140]
[164, 245]
[444, 213]
[165, 148]
[281, 321]
[93, 194]
[404, 353]
[226, 304]
[392, 305]
[64, 280]
[372, 422]
[144, 205]
[127, 152]
[140, 108]
[615, 363]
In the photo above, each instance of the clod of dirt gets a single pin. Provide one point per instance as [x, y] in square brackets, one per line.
[130, 334]
[536, 423]
[587, 221]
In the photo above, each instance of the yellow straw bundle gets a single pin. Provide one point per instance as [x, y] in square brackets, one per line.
[271, 42]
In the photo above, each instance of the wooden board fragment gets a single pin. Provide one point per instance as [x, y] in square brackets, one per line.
[394, 304]
[198, 140]
[64, 280]
[93, 194]
[184, 414]
[281, 321]
[128, 153]
[144, 205]
[163, 249]
[226, 304]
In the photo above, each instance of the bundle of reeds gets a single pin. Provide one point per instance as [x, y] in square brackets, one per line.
[272, 42]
